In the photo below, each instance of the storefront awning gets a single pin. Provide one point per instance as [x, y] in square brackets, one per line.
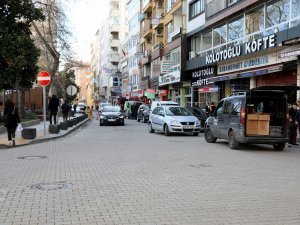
[222, 78]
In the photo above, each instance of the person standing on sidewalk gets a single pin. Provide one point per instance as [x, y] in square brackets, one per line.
[65, 108]
[293, 124]
[12, 120]
[53, 108]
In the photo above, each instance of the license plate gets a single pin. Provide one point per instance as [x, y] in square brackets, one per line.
[111, 120]
[188, 127]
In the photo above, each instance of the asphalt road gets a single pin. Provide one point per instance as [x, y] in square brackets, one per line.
[125, 175]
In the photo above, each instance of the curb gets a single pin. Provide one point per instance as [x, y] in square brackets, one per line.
[40, 140]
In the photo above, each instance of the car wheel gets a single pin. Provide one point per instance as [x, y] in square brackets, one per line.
[101, 124]
[166, 129]
[279, 146]
[144, 120]
[122, 123]
[138, 118]
[195, 134]
[150, 129]
[233, 143]
[209, 137]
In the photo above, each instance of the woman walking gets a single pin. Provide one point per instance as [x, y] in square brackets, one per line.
[12, 120]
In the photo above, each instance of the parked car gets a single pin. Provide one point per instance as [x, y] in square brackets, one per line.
[81, 107]
[173, 119]
[257, 117]
[111, 115]
[162, 103]
[200, 114]
[127, 108]
[143, 113]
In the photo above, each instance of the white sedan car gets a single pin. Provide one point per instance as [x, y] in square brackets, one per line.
[173, 119]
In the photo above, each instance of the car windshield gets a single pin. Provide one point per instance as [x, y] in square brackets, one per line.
[178, 111]
[199, 111]
[146, 107]
[111, 109]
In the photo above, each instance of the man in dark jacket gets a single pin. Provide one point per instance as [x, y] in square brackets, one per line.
[65, 108]
[53, 108]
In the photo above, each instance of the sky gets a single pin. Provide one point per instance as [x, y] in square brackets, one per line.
[85, 17]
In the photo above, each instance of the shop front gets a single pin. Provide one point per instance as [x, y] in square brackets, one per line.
[166, 82]
[203, 90]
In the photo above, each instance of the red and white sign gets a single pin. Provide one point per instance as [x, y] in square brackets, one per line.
[44, 78]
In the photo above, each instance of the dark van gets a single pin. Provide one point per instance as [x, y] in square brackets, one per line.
[260, 116]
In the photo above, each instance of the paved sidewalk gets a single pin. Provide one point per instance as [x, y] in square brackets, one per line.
[40, 134]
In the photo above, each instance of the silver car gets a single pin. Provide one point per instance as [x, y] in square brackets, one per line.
[173, 119]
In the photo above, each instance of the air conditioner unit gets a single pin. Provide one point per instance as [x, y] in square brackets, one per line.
[159, 4]
[192, 55]
[159, 32]
[148, 40]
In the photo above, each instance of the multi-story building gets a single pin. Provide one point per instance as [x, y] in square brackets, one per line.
[107, 67]
[235, 45]
[172, 84]
[151, 43]
[131, 52]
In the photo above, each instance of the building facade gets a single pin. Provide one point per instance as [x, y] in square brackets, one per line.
[241, 44]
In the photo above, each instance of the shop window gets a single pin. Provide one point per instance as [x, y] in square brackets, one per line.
[236, 29]
[254, 20]
[206, 40]
[277, 12]
[220, 35]
[295, 8]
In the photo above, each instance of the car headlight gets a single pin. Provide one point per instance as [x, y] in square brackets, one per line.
[175, 123]
[121, 116]
[102, 117]
[197, 122]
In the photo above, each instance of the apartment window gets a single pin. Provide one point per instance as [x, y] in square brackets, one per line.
[236, 29]
[169, 30]
[295, 8]
[206, 40]
[277, 12]
[196, 8]
[254, 20]
[196, 44]
[220, 35]
[115, 82]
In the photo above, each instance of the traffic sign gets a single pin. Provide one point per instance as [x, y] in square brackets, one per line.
[44, 78]
[71, 90]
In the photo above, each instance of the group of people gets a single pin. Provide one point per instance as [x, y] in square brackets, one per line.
[53, 107]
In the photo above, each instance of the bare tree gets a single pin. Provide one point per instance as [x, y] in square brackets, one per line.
[52, 35]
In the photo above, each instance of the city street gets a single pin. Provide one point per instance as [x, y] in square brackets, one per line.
[125, 175]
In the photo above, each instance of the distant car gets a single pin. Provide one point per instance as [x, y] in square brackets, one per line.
[143, 113]
[81, 107]
[111, 115]
[173, 119]
[200, 114]
[127, 108]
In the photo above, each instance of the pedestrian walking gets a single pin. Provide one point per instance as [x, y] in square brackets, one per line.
[12, 120]
[212, 108]
[293, 124]
[74, 108]
[88, 111]
[65, 108]
[298, 117]
[97, 111]
[53, 108]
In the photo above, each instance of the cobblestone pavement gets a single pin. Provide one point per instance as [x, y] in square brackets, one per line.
[124, 175]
